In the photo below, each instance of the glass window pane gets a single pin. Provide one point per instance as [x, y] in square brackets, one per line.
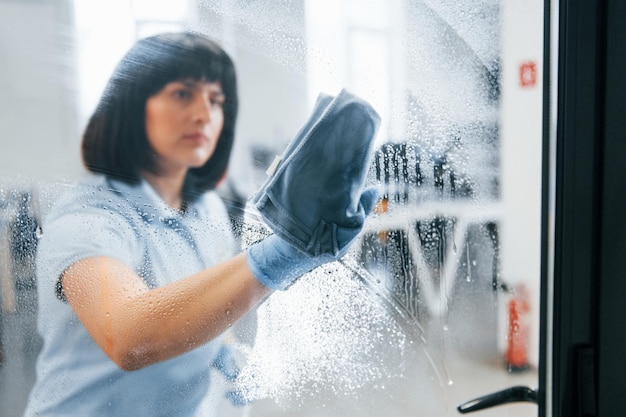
[436, 300]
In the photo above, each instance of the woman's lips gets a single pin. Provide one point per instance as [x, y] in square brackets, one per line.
[196, 137]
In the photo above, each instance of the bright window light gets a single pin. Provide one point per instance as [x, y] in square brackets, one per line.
[99, 48]
[347, 47]
[160, 10]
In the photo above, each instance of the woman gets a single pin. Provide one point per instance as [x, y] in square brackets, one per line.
[137, 266]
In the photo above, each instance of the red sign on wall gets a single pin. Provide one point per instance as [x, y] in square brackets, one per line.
[528, 74]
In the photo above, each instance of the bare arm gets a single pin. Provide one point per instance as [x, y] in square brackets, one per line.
[137, 326]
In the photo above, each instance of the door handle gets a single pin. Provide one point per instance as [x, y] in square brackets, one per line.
[509, 395]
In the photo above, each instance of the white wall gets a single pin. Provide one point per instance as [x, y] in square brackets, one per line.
[521, 141]
[38, 130]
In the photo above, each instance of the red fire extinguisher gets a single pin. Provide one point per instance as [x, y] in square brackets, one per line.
[516, 356]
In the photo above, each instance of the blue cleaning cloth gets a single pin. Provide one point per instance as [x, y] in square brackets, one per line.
[315, 198]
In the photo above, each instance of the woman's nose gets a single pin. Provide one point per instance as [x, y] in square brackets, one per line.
[202, 108]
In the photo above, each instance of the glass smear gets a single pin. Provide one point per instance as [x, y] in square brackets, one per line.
[336, 341]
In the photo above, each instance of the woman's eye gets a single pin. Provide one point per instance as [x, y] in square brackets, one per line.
[183, 94]
[217, 101]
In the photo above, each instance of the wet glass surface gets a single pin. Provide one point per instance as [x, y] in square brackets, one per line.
[437, 301]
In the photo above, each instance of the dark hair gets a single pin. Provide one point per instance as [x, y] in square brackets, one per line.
[115, 141]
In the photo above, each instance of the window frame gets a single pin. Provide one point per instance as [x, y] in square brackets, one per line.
[582, 352]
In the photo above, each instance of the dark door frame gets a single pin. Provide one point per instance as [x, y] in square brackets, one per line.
[585, 374]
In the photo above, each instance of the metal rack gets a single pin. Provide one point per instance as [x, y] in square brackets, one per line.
[429, 230]
[18, 241]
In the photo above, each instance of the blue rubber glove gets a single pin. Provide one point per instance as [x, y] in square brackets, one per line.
[278, 264]
[226, 364]
[314, 200]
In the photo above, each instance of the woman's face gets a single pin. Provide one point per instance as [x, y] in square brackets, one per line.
[184, 121]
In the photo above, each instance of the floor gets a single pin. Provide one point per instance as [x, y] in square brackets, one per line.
[420, 391]
[428, 387]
